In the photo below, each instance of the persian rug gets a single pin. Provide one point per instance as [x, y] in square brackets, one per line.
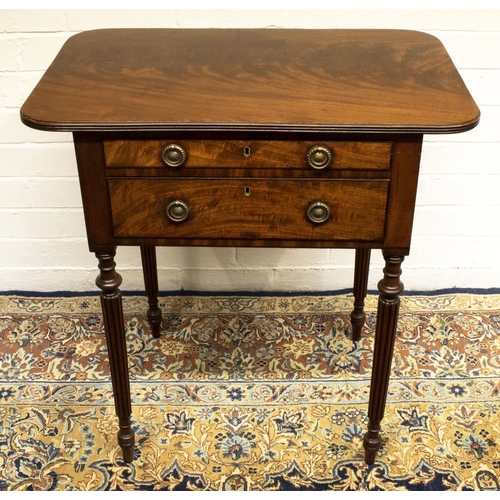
[249, 392]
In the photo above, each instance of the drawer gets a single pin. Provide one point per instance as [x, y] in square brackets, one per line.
[240, 154]
[248, 209]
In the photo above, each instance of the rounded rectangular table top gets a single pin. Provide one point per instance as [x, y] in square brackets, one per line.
[392, 81]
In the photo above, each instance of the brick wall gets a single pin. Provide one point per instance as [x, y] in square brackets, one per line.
[42, 235]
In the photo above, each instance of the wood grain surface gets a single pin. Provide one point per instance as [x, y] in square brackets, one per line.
[252, 80]
[261, 154]
[248, 209]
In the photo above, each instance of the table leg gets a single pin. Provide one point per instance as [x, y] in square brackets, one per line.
[387, 318]
[111, 302]
[149, 268]
[361, 269]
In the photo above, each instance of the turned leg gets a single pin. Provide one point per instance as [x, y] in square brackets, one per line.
[148, 256]
[111, 302]
[361, 269]
[387, 318]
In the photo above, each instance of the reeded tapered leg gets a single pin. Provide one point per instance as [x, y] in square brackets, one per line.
[111, 302]
[387, 318]
[148, 256]
[361, 269]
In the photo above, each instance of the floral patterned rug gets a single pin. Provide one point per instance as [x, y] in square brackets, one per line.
[250, 393]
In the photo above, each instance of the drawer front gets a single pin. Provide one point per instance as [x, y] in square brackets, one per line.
[256, 154]
[248, 209]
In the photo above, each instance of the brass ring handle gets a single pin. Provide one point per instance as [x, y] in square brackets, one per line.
[173, 155]
[319, 157]
[318, 212]
[177, 211]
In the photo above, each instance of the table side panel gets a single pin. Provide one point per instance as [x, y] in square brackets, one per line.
[402, 193]
[94, 190]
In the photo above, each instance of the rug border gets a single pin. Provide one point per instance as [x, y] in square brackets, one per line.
[199, 293]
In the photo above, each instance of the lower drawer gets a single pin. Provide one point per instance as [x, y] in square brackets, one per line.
[288, 209]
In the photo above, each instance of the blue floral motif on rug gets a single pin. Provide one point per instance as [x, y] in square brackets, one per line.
[265, 393]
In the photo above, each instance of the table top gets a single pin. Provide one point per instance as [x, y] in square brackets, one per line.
[389, 81]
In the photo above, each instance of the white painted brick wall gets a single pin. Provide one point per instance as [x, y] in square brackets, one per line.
[42, 235]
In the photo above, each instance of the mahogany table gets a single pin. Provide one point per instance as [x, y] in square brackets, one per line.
[250, 138]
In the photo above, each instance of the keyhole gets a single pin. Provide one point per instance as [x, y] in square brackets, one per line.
[247, 190]
[246, 151]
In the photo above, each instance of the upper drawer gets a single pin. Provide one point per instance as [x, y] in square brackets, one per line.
[258, 154]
